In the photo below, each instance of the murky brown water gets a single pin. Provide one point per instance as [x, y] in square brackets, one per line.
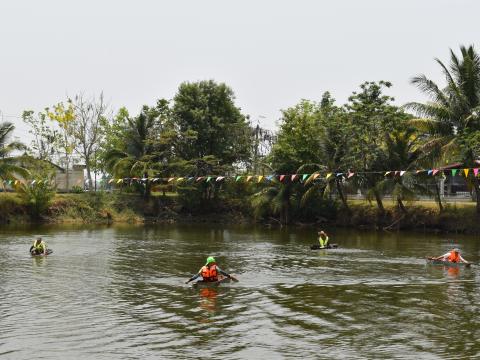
[119, 293]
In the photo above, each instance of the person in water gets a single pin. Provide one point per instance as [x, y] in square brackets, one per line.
[452, 256]
[323, 239]
[209, 272]
[39, 247]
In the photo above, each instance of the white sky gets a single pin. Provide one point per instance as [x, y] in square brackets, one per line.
[271, 52]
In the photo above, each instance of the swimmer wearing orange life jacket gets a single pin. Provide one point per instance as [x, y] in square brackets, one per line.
[452, 256]
[209, 272]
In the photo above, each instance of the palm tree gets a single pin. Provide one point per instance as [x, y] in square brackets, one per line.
[136, 157]
[277, 199]
[8, 164]
[452, 117]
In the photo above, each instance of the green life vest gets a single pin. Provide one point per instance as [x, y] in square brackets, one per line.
[323, 243]
[40, 247]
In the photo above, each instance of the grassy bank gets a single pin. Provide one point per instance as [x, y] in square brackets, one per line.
[458, 217]
[130, 208]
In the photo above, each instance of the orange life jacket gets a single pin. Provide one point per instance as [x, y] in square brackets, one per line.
[209, 273]
[454, 257]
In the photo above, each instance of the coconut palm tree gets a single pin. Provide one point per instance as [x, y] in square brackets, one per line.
[451, 119]
[136, 157]
[8, 164]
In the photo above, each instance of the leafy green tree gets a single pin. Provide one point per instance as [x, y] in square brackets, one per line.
[208, 123]
[137, 148]
[64, 117]
[46, 140]
[298, 138]
[371, 115]
[451, 120]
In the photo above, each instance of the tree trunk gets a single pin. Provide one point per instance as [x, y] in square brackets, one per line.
[378, 199]
[146, 193]
[342, 195]
[439, 199]
[476, 186]
[401, 206]
[89, 176]
[67, 176]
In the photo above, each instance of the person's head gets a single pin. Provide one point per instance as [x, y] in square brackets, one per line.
[456, 250]
[210, 261]
[39, 239]
[322, 233]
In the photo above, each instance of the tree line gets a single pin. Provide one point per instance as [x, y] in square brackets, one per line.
[202, 132]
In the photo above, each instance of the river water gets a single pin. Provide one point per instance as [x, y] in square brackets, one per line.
[119, 293]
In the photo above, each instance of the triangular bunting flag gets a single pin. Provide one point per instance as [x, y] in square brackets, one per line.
[220, 178]
[33, 182]
[429, 172]
[434, 172]
[328, 176]
[304, 177]
[294, 176]
[180, 179]
[260, 178]
[466, 172]
[418, 171]
[388, 172]
[238, 178]
[454, 172]
[282, 177]
[110, 181]
[402, 172]
[119, 181]
[171, 179]
[397, 173]
[209, 178]
[350, 174]
[475, 171]
[270, 177]
[248, 178]
[315, 176]
[200, 178]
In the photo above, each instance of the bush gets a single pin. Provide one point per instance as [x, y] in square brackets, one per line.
[37, 196]
[76, 189]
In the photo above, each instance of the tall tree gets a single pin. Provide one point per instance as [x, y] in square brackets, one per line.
[372, 115]
[451, 119]
[138, 146]
[209, 123]
[46, 140]
[87, 129]
[64, 117]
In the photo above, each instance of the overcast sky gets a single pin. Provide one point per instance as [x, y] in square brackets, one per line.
[271, 52]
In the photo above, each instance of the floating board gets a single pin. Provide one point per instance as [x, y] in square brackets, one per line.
[445, 263]
[329, 246]
[221, 280]
[49, 251]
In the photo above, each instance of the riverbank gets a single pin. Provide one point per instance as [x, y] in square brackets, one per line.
[105, 208]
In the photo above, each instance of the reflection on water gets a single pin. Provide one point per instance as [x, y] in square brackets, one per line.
[119, 292]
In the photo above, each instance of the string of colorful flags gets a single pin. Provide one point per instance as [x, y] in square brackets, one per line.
[293, 177]
[266, 178]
